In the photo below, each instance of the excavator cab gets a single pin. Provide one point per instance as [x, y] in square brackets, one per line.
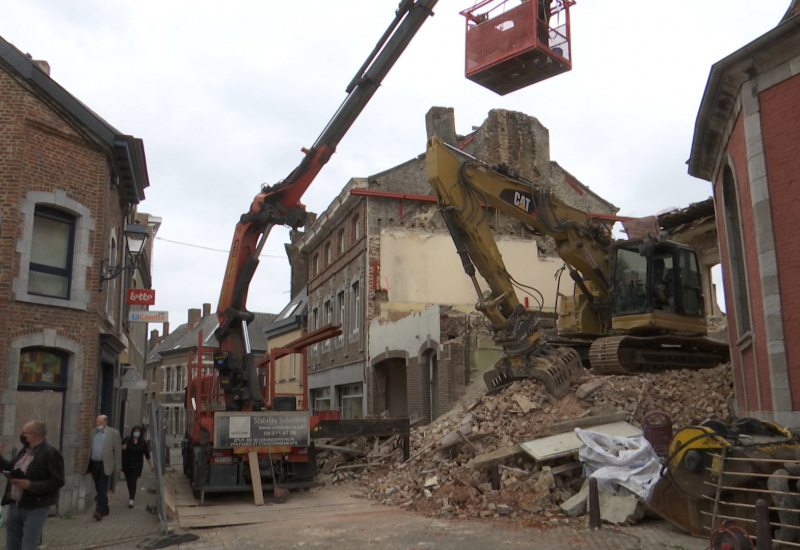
[655, 287]
[511, 44]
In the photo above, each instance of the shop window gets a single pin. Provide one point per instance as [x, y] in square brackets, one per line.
[42, 368]
[321, 397]
[351, 400]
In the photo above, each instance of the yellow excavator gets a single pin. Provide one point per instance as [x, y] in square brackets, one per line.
[637, 304]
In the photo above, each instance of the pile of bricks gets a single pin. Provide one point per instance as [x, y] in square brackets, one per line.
[467, 463]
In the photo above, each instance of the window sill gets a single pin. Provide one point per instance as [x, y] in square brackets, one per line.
[73, 303]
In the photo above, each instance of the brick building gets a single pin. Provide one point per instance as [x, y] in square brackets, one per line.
[745, 143]
[71, 183]
[382, 264]
[168, 359]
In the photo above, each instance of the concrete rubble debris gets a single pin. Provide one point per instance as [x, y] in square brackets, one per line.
[456, 460]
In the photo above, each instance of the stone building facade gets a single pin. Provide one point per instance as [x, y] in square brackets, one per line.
[745, 143]
[71, 183]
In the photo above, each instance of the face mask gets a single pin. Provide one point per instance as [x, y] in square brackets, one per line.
[24, 441]
[100, 428]
[136, 434]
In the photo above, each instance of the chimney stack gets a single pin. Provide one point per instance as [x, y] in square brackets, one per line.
[165, 328]
[441, 121]
[154, 339]
[206, 310]
[194, 317]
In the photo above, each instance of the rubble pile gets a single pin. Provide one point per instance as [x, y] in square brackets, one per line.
[467, 463]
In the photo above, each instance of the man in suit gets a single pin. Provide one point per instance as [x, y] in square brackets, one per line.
[36, 475]
[105, 459]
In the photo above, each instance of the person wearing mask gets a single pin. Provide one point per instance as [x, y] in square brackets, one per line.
[135, 449]
[105, 459]
[35, 476]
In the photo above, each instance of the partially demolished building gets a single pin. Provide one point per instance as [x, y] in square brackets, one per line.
[382, 264]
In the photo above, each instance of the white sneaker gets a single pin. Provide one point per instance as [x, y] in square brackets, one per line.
[130, 503]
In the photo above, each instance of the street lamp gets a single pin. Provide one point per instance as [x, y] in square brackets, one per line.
[135, 237]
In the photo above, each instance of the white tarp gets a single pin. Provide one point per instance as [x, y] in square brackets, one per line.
[615, 462]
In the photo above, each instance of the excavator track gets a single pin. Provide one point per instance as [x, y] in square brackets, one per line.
[630, 354]
[556, 367]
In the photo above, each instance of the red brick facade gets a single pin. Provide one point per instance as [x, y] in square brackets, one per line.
[746, 138]
[50, 161]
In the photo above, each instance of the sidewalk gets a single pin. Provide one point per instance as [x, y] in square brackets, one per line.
[123, 528]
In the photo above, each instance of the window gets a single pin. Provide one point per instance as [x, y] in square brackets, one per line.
[315, 326]
[356, 313]
[315, 265]
[341, 241]
[179, 378]
[51, 253]
[356, 228]
[735, 240]
[42, 368]
[691, 292]
[111, 284]
[630, 280]
[328, 254]
[167, 379]
[321, 398]
[351, 399]
[328, 313]
[340, 303]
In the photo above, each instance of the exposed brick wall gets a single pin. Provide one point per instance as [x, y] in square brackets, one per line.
[44, 150]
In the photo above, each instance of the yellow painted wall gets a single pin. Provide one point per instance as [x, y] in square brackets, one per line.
[425, 268]
[289, 369]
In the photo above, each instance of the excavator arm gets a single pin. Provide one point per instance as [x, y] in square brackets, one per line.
[466, 188]
[280, 205]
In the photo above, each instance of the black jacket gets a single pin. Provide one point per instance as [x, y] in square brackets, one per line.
[46, 473]
[133, 455]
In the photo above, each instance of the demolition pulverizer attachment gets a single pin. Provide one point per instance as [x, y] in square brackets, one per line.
[557, 367]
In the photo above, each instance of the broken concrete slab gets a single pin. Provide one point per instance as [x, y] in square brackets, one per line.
[576, 505]
[587, 388]
[559, 445]
[524, 403]
[495, 457]
[618, 509]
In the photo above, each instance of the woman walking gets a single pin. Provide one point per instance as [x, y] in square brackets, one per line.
[135, 450]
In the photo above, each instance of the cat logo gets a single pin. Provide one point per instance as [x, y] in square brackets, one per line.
[523, 201]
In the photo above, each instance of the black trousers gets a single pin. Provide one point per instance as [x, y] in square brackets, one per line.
[131, 477]
[100, 485]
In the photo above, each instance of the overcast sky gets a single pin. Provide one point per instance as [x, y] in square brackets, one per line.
[225, 94]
